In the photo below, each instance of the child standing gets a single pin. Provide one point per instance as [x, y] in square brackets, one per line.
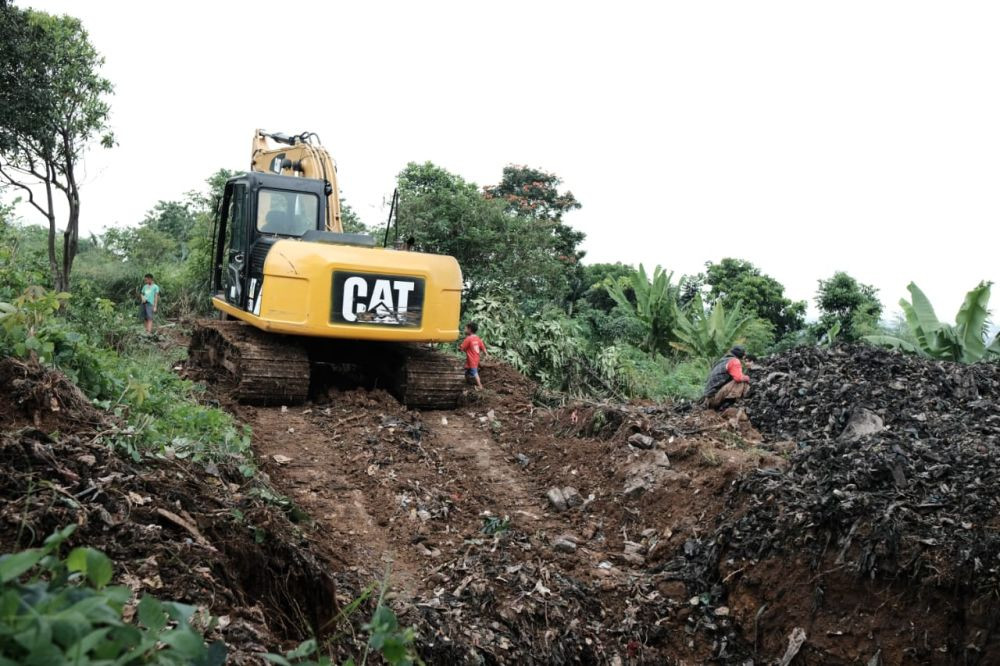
[149, 298]
[473, 346]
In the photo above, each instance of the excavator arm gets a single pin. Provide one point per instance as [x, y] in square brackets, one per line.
[299, 155]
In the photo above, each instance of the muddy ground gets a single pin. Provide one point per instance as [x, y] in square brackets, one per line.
[508, 532]
[456, 507]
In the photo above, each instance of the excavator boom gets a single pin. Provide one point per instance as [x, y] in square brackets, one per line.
[298, 155]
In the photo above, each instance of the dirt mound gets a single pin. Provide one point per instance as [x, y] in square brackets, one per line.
[173, 530]
[30, 394]
[888, 509]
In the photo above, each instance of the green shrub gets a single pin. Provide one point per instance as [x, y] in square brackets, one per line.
[135, 382]
[62, 611]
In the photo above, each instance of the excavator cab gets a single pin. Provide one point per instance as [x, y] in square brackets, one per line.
[257, 210]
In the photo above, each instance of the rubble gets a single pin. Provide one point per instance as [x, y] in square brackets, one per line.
[891, 491]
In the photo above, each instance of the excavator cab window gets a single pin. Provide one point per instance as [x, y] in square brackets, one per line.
[286, 213]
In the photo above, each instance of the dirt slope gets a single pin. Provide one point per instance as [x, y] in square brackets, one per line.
[456, 505]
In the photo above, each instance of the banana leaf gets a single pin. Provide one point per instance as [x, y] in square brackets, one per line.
[893, 342]
[971, 321]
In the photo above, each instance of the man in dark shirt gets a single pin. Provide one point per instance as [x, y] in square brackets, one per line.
[727, 382]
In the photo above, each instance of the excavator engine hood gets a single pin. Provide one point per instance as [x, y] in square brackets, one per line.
[342, 289]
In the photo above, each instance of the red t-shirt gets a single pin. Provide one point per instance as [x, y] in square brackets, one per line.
[473, 346]
[735, 370]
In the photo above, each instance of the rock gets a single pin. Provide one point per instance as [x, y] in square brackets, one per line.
[523, 460]
[634, 548]
[640, 441]
[861, 423]
[572, 496]
[634, 488]
[658, 458]
[672, 589]
[722, 611]
[556, 499]
[564, 544]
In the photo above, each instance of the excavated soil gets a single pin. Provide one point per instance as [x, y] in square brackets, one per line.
[173, 529]
[851, 519]
[455, 506]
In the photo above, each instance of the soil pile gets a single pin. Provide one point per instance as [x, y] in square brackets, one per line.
[880, 540]
[173, 529]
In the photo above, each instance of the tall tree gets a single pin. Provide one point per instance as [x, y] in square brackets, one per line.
[534, 194]
[856, 306]
[498, 250]
[733, 281]
[52, 107]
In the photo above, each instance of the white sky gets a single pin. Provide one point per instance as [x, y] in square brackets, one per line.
[806, 137]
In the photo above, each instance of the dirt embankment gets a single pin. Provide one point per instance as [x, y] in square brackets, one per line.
[173, 529]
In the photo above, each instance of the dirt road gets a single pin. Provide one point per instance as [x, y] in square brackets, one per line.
[456, 505]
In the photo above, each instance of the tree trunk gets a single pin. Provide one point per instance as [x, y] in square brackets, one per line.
[72, 234]
[50, 214]
[70, 240]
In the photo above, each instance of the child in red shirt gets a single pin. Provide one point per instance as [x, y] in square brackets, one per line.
[473, 346]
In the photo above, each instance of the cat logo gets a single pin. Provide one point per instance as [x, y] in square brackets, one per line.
[387, 300]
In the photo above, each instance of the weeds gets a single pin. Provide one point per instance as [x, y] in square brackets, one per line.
[396, 644]
[711, 458]
[134, 382]
[62, 611]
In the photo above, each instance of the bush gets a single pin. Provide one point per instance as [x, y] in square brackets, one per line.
[134, 381]
[62, 611]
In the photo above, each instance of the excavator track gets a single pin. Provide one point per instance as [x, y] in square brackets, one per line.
[268, 369]
[274, 369]
[427, 379]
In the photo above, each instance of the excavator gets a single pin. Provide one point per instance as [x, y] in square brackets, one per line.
[298, 298]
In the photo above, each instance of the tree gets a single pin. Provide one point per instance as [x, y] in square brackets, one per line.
[733, 281]
[52, 106]
[534, 194]
[708, 334]
[967, 341]
[498, 250]
[654, 305]
[351, 221]
[855, 306]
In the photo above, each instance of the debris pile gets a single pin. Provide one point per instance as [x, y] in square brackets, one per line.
[890, 500]
[898, 470]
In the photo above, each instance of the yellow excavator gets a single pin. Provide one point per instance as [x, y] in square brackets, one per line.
[299, 299]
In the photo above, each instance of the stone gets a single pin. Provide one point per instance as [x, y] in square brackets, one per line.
[564, 544]
[862, 422]
[556, 499]
[572, 496]
[640, 441]
[672, 589]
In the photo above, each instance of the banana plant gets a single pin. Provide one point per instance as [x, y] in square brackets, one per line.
[965, 341]
[655, 305]
[709, 334]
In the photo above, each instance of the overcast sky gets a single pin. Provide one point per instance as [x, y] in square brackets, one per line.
[806, 137]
